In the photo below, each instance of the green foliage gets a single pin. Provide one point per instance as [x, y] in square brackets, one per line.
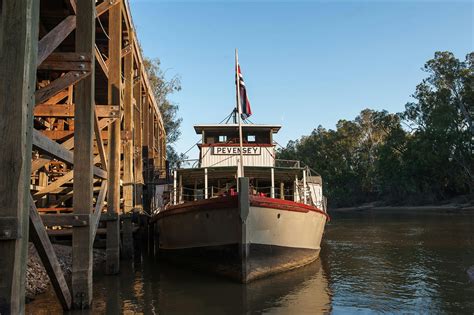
[162, 88]
[374, 158]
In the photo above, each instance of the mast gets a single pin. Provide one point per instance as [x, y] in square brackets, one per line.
[240, 168]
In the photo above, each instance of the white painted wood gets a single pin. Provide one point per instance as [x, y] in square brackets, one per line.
[285, 228]
[265, 158]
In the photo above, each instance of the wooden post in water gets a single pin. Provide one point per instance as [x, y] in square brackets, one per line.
[82, 237]
[114, 144]
[151, 166]
[145, 151]
[138, 161]
[128, 176]
[244, 207]
[18, 52]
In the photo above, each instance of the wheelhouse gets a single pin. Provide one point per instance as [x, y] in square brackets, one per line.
[214, 174]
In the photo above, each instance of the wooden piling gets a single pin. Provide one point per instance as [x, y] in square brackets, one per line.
[18, 53]
[128, 180]
[114, 90]
[76, 163]
[83, 160]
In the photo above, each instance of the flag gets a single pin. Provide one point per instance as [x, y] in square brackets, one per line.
[244, 100]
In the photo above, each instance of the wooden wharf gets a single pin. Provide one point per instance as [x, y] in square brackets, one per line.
[82, 140]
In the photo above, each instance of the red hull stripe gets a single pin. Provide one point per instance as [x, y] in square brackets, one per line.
[282, 204]
[227, 202]
[230, 202]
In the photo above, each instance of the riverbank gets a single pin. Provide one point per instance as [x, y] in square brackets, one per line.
[446, 208]
[37, 280]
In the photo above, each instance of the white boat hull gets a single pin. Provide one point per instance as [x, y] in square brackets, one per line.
[244, 237]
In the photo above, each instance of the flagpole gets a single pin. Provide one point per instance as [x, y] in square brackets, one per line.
[240, 173]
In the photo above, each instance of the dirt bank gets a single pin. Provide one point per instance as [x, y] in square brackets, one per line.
[37, 280]
[447, 208]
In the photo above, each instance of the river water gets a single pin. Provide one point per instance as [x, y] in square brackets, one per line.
[369, 264]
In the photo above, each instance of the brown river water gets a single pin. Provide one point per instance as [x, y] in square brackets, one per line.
[369, 264]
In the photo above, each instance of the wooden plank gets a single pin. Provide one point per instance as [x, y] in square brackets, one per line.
[101, 61]
[19, 24]
[67, 61]
[55, 185]
[138, 162]
[55, 37]
[65, 66]
[59, 152]
[100, 143]
[63, 134]
[68, 145]
[125, 51]
[39, 163]
[52, 148]
[48, 257]
[66, 219]
[58, 97]
[67, 110]
[98, 208]
[59, 182]
[67, 57]
[128, 181]
[105, 6]
[72, 77]
[55, 210]
[57, 134]
[114, 143]
[83, 165]
[68, 194]
[70, 231]
[128, 175]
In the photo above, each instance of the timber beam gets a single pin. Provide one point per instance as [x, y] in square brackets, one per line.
[53, 148]
[19, 25]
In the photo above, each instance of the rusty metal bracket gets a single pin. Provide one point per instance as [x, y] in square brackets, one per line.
[9, 228]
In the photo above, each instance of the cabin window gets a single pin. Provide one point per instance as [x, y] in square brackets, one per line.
[251, 138]
[222, 139]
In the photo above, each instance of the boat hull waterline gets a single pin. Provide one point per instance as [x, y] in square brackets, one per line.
[243, 237]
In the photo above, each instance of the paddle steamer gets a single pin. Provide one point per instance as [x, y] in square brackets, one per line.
[237, 210]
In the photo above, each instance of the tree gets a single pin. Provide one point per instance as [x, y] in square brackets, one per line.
[162, 88]
[441, 126]
[374, 158]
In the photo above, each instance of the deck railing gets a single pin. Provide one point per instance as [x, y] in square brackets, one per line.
[194, 163]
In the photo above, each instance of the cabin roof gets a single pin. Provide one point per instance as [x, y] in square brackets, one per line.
[227, 127]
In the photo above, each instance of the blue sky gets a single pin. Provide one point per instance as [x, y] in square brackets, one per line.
[305, 63]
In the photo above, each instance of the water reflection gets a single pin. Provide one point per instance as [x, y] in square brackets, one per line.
[408, 264]
[369, 264]
[151, 287]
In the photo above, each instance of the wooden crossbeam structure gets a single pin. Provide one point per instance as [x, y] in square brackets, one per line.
[76, 98]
